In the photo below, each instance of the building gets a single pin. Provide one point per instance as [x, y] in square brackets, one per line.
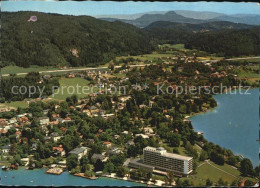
[44, 120]
[58, 151]
[164, 161]
[6, 148]
[80, 152]
[100, 157]
[114, 151]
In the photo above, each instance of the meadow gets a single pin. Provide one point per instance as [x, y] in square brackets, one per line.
[68, 87]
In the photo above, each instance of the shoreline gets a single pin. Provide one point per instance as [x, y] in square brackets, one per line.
[79, 176]
[190, 116]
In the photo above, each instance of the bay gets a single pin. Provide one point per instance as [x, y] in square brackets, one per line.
[233, 124]
[23, 177]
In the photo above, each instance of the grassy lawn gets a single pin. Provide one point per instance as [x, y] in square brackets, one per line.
[149, 57]
[16, 69]
[206, 171]
[119, 75]
[68, 87]
[15, 104]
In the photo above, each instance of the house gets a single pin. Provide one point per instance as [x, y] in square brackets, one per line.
[148, 130]
[90, 141]
[130, 143]
[55, 136]
[116, 136]
[142, 135]
[6, 148]
[80, 152]
[101, 157]
[3, 132]
[107, 144]
[34, 146]
[12, 120]
[3, 122]
[43, 120]
[25, 161]
[114, 151]
[58, 151]
[126, 132]
[93, 110]
[18, 134]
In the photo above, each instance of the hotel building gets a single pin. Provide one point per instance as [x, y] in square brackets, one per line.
[161, 160]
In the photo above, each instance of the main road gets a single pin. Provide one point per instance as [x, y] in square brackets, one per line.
[100, 68]
[73, 69]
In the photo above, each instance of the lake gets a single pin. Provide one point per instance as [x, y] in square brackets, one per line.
[233, 124]
[38, 177]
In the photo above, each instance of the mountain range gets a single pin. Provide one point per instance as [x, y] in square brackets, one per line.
[202, 27]
[182, 16]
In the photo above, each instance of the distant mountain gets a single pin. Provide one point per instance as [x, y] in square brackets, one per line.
[128, 16]
[210, 26]
[184, 16]
[198, 14]
[171, 16]
[240, 18]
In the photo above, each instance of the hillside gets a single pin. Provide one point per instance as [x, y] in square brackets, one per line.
[228, 43]
[211, 26]
[66, 40]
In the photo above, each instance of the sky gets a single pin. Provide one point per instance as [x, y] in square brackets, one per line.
[94, 8]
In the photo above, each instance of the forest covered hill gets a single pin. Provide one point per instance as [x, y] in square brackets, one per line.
[67, 40]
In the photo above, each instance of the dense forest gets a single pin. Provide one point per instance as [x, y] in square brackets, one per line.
[228, 43]
[209, 26]
[62, 40]
[66, 40]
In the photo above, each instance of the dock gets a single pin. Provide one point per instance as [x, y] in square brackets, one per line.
[83, 176]
[55, 171]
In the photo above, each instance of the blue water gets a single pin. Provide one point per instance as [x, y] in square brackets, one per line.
[24, 177]
[234, 124]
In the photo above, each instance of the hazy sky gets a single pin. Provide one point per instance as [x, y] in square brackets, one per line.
[109, 7]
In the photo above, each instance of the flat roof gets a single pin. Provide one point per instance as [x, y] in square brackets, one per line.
[166, 154]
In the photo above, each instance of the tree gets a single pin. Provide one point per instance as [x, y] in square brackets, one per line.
[249, 183]
[203, 155]
[109, 167]
[221, 182]
[170, 176]
[84, 163]
[174, 139]
[72, 161]
[246, 167]
[122, 171]
[209, 182]
[99, 165]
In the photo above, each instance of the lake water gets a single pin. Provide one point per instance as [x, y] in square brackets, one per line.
[233, 124]
[38, 176]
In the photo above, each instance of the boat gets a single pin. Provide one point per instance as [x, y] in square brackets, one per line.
[5, 168]
[31, 181]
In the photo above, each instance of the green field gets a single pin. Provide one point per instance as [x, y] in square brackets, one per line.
[15, 104]
[68, 87]
[16, 69]
[205, 171]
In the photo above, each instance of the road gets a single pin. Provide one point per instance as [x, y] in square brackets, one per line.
[100, 68]
[232, 59]
[68, 70]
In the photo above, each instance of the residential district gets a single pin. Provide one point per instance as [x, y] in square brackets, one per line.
[138, 136]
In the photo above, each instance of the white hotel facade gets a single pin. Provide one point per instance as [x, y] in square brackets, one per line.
[161, 160]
